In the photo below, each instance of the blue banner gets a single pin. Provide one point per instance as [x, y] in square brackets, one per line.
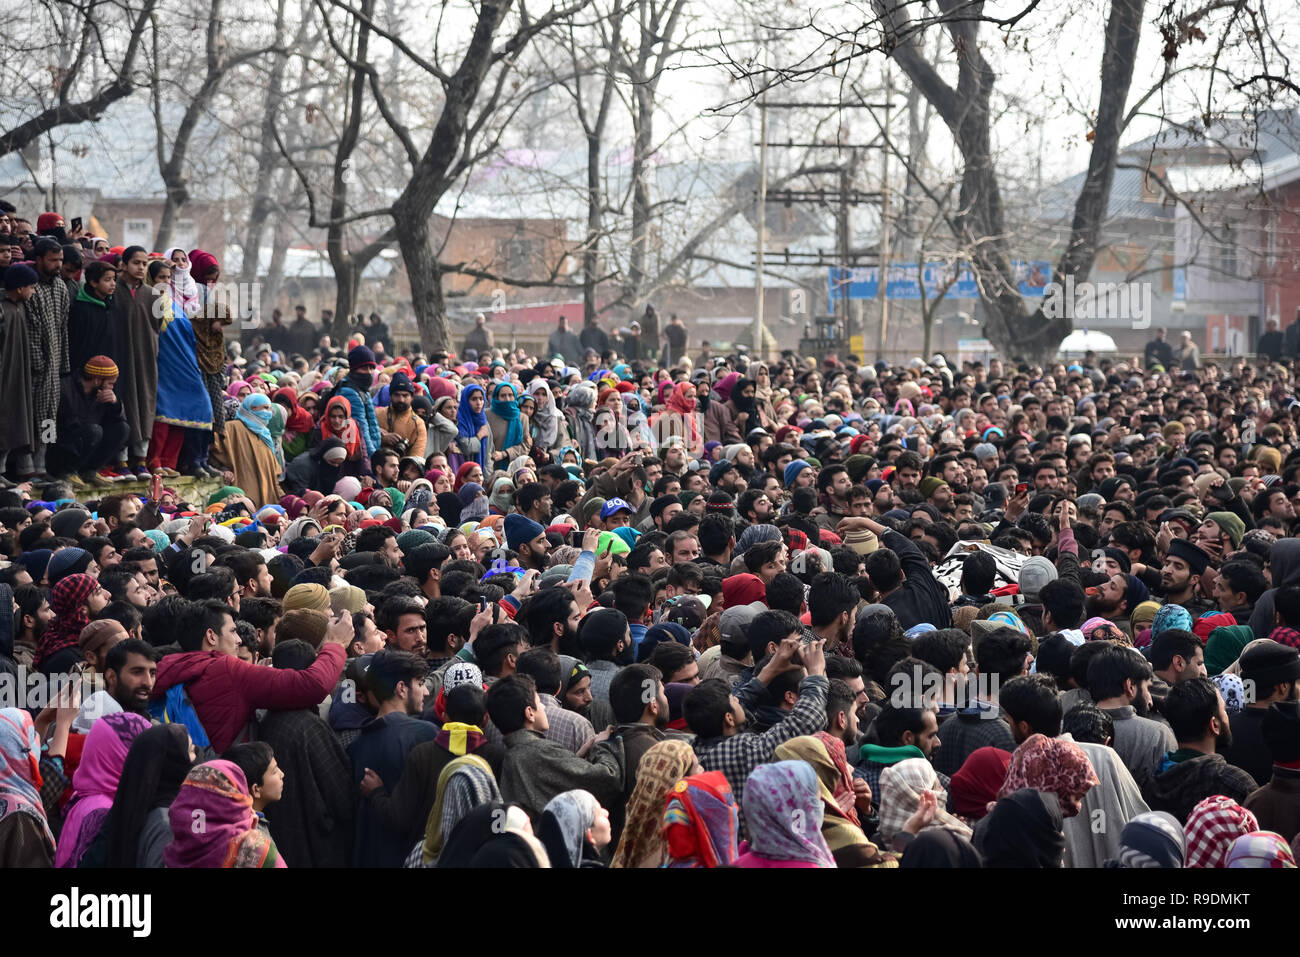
[904, 280]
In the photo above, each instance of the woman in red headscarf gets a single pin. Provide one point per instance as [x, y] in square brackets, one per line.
[297, 422]
[679, 418]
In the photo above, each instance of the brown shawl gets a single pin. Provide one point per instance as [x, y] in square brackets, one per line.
[139, 324]
[251, 460]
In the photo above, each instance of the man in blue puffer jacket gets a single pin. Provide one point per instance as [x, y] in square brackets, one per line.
[355, 387]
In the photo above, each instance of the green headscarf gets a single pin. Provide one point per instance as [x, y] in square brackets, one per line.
[223, 493]
[1225, 645]
[399, 500]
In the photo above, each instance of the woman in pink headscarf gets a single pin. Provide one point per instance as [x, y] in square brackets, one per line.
[95, 782]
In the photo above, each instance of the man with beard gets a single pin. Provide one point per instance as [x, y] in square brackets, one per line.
[832, 608]
[566, 727]
[382, 540]
[533, 499]
[1273, 671]
[130, 668]
[395, 684]
[1196, 769]
[1115, 600]
[833, 485]
[528, 538]
[32, 618]
[1180, 576]
[387, 466]
[575, 686]
[640, 706]
[401, 619]
[398, 422]
[551, 617]
[47, 330]
[139, 321]
[251, 573]
[1119, 681]
[948, 468]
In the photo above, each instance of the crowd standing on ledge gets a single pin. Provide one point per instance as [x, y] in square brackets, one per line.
[587, 609]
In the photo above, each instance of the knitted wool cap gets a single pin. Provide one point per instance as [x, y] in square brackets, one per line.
[313, 596]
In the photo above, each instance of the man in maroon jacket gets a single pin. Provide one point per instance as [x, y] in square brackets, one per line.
[224, 690]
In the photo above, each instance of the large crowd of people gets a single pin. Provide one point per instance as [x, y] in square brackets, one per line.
[607, 608]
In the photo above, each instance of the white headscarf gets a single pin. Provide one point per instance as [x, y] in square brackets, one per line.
[547, 416]
[185, 290]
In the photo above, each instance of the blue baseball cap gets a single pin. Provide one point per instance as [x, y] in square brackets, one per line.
[615, 505]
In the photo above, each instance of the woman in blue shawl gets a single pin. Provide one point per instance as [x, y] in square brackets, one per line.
[511, 430]
[182, 398]
[473, 435]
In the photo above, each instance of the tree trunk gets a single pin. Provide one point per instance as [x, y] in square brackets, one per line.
[643, 120]
[347, 279]
[267, 160]
[591, 251]
[425, 276]
[1010, 325]
[177, 196]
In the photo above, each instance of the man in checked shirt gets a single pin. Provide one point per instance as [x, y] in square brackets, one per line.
[718, 717]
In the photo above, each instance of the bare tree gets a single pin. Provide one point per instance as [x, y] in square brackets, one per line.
[219, 63]
[84, 37]
[602, 69]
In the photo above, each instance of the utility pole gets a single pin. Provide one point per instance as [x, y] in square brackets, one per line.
[832, 330]
[759, 351]
[883, 287]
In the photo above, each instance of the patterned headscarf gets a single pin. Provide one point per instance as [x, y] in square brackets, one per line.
[1171, 617]
[783, 813]
[816, 753]
[901, 785]
[1212, 827]
[658, 773]
[565, 822]
[218, 792]
[20, 772]
[463, 785]
[1152, 839]
[1260, 849]
[68, 601]
[1233, 691]
[1050, 764]
[842, 789]
[1100, 629]
[701, 822]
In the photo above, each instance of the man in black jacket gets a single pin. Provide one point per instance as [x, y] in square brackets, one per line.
[903, 577]
[92, 428]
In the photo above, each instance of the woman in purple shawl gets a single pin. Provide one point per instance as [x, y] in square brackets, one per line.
[217, 793]
[95, 782]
